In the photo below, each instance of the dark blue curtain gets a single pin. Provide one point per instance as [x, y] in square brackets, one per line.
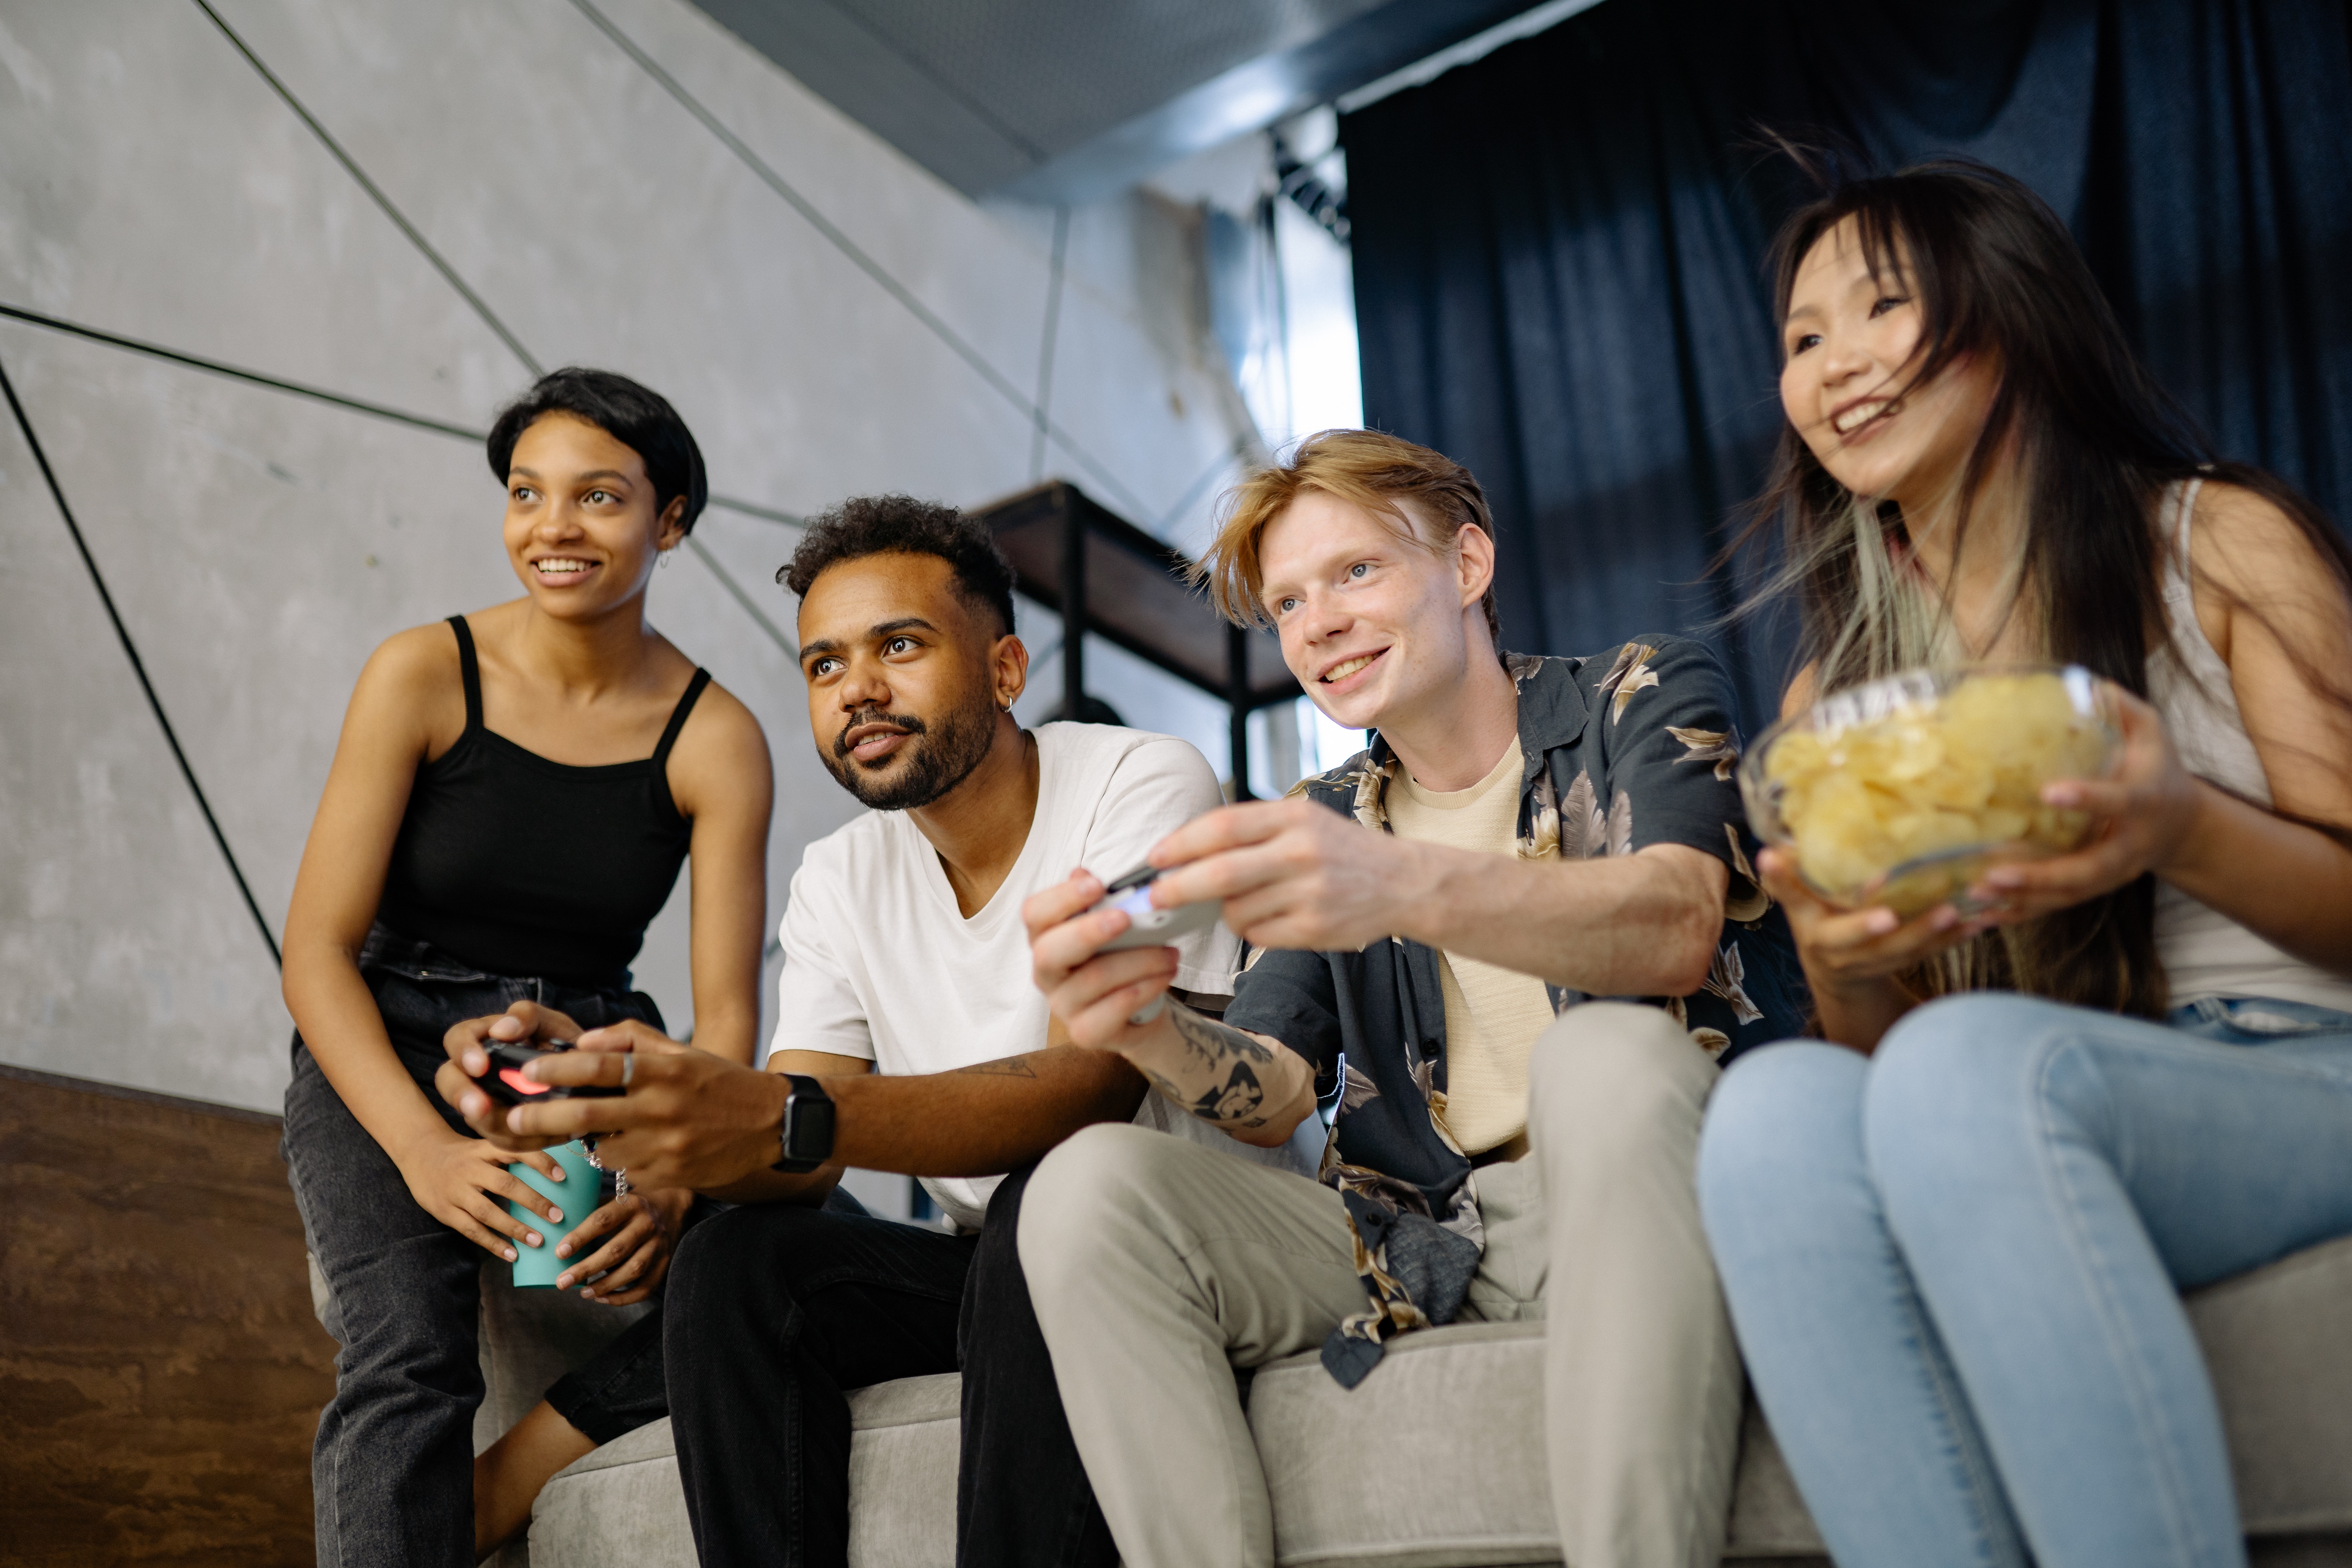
[1559, 253]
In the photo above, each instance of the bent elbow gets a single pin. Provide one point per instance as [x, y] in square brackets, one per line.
[1276, 1130]
[1273, 1134]
[1692, 958]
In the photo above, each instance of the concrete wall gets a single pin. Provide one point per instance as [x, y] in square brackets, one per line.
[620, 184]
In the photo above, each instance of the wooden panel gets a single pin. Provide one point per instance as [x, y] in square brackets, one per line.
[161, 1375]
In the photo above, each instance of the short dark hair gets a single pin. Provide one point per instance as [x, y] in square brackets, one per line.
[636, 416]
[901, 525]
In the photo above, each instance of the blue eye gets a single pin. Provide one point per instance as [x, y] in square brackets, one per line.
[1359, 569]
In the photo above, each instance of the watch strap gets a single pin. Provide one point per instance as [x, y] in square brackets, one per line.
[805, 1139]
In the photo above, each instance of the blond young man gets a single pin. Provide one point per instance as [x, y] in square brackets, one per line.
[1525, 835]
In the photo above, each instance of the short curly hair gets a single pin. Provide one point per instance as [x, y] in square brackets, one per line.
[636, 416]
[901, 525]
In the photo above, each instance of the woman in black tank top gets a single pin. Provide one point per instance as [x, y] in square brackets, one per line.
[511, 799]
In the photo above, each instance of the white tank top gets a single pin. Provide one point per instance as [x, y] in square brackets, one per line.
[2205, 952]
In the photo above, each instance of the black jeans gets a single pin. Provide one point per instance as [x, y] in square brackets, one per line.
[392, 1470]
[775, 1312]
[623, 1386]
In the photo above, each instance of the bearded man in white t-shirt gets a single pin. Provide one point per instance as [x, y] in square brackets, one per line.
[908, 1039]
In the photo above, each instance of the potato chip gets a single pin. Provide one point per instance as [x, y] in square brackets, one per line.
[1903, 791]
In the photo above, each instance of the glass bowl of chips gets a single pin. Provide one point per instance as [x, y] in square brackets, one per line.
[1901, 792]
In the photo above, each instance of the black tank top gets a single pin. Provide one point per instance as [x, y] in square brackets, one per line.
[520, 865]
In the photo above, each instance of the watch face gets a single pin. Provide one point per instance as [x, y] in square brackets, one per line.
[808, 1127]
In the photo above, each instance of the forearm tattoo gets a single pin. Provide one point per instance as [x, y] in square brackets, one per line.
[1220, 1074]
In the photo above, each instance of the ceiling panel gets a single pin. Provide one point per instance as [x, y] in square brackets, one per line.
[1071, 99]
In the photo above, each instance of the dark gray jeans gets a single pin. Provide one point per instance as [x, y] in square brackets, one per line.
[391, 1471]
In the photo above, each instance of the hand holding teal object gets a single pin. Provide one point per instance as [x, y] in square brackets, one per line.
[575, 1198]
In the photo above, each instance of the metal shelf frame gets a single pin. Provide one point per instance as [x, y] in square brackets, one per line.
[1103, 574]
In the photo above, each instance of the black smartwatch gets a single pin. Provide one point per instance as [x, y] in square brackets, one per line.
[807, 1135]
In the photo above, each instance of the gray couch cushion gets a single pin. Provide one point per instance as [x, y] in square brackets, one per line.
[2279, 1341]
[1473, 1500]
[621, 1506]
[905, 1439]
[1459, 1411]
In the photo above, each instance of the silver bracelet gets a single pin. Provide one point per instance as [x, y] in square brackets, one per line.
[620, 1177]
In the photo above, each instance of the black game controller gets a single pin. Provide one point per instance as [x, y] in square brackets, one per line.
[506, 1082]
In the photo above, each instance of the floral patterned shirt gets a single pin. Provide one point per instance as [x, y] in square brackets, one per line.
[1624, 749]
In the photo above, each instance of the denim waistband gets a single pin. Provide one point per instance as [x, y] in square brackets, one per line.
[2256, 1018]
[388, 952]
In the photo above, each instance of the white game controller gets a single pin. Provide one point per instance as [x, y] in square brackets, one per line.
[1151, 927]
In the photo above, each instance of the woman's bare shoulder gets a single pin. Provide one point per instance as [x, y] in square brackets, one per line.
[2264, 587]
[719, 714]
[420, 659]
[414, 685]
[2246, 542]
[721, 759]
[727, 724]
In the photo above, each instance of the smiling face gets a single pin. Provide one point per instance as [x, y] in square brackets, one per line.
[582, 529]
[907, 678]
[1852, 342]
[1378, 629]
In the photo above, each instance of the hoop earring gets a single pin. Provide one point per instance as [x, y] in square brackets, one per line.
[666, 556]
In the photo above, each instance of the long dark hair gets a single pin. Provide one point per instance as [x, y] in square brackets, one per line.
[2096, 442]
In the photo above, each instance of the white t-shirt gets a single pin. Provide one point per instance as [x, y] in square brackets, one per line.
[880, 962]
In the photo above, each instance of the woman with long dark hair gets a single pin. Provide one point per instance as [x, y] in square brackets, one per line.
[510, 801]
[1953, 1232]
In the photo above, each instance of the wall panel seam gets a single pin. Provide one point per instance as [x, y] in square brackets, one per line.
[858, 257]
[138, 665]
[350, 166]
[321, 394]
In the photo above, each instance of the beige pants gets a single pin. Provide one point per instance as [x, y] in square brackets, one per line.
[1158, 1267]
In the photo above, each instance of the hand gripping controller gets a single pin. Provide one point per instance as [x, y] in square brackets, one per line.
[1150, 926]
[506, 1082]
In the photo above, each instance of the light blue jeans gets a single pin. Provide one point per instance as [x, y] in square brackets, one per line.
[1954, 1266]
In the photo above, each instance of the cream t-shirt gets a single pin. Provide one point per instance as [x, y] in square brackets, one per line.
[1492, 1015]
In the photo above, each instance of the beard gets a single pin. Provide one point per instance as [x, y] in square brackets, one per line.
[929, 765]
